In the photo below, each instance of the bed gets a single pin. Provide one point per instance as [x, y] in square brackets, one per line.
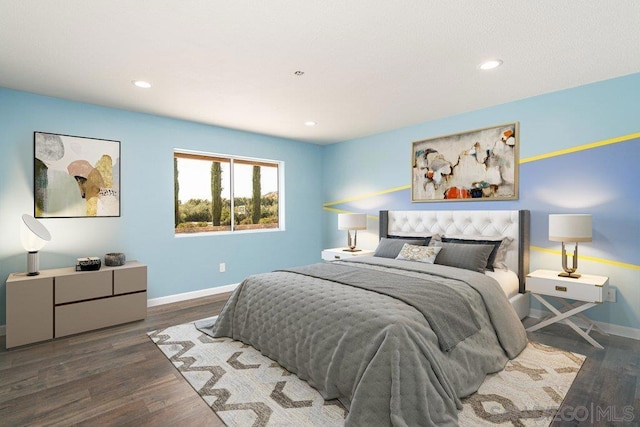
[398, 342]
[513, 224]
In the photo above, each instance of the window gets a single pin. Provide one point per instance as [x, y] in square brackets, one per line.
[216, 193]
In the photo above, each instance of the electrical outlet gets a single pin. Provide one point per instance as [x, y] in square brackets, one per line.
[611, 295]
[223, 267]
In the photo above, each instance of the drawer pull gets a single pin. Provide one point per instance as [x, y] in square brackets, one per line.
[561, 288]
[336, 256]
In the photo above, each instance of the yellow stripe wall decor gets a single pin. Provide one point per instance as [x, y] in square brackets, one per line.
[579, 153]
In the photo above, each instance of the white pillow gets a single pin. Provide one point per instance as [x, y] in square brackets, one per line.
[425, 254]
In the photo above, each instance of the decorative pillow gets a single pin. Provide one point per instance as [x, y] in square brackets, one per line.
[435, 240]
[494, 244]
[418, 253]
[390, 248]
[463, 255]
[501, 255]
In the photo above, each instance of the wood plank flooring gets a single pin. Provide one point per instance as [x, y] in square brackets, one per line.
[117, 376]
[114, 376]
[606, 391]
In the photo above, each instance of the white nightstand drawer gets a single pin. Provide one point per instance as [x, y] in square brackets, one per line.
[586, 288]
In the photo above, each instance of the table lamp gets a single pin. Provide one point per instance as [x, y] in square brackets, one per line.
[353, 222]
[570, 228]
[34, 236]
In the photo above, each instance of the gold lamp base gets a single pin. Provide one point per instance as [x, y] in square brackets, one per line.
[572, 275]
[351, 242]
[570, 271]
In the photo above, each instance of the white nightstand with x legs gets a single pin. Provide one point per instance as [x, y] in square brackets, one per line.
[589, 291]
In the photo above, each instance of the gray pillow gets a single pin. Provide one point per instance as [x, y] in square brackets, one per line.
[495, 245]
[467, 256]
[390, 248]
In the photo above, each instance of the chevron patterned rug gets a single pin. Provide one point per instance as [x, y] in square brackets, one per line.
[245, 388]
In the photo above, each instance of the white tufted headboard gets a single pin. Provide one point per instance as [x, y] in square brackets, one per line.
[494, 223]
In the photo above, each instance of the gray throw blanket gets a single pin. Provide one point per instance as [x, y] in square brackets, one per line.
[376, 354]
[504, 319]
[434, 301]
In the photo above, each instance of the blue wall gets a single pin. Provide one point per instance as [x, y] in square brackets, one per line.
[145, 229]
[367, 174]
[373, 173]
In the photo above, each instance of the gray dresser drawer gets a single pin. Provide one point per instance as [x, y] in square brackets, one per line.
[85, 316]
[83, 285]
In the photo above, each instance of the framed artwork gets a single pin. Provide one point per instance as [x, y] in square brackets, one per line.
[75, 177]
[476, 165]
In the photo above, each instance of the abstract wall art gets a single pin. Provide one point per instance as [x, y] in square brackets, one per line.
[476, 165]
[76, 176]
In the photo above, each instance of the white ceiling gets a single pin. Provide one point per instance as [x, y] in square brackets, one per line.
[369, 65]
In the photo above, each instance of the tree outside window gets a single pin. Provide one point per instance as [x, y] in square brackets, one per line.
[216, 193]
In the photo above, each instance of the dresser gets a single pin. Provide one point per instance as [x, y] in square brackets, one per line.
[63, 301]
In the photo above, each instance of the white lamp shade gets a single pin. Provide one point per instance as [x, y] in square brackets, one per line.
[570, 227]
[352, 221]
[33, 234]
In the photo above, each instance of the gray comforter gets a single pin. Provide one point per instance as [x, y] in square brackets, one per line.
[378, 355]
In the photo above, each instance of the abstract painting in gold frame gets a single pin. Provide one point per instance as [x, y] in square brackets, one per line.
[477, 165]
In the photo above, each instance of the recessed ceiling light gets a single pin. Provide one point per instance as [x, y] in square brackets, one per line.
[310, 123]
[491, 64]
[141, 83]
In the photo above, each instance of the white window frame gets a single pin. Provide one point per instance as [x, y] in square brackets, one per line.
[232, 158]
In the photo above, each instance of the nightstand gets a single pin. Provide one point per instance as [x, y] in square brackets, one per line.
[340, 253]
[587, 290]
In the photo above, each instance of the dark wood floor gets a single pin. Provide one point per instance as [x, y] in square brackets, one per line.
[606, 391]
[116, 376]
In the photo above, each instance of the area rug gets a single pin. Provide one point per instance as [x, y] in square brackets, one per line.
[245, 388]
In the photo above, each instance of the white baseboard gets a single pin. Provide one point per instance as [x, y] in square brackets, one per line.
[622, 331]
[173, 298]
[191, 295]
